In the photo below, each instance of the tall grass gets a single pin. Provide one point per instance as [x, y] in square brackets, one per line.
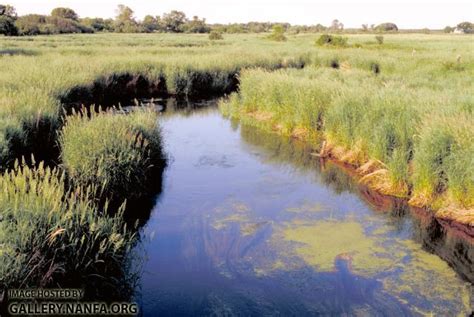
[114, 151]
[48, 231]
[90, 70]
[414, 117]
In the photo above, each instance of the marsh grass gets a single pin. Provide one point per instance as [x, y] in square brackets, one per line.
[50, 231]
[115, 151]
[414, 119]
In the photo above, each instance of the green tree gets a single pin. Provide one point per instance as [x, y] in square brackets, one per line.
[7, 20]
[174, 21]
[8, 10]
[7, 26]
[151, 24]
[99, 24]
[124, 13]
[337, 26]
[65, 13]
[124, 21]
[196, 25]
[467, 27]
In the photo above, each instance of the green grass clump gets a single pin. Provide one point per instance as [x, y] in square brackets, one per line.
[332, 40]
[48, 232]
[114, 151]
[444, 160]
[215, 35]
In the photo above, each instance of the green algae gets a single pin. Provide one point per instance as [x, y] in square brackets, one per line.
[427, 278]
[321, 243]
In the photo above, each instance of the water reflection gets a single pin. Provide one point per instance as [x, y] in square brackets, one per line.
[250, 223]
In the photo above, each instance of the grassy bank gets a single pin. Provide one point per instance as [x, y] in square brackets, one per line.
[63, 210]
[406, 127]
[41, 75]
[116, 151]
[66, 224]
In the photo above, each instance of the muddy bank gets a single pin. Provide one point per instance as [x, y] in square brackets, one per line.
[374, 176]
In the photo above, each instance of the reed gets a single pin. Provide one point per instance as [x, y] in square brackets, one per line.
[412, 119]
[112, 150]
[48, 231]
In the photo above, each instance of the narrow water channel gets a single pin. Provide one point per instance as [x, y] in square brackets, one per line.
[250, 224]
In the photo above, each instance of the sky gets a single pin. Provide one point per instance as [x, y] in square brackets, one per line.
[405, 13]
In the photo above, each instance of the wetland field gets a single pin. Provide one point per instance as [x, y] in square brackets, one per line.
[240, 176]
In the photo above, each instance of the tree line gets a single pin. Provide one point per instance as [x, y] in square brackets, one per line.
[66, 20]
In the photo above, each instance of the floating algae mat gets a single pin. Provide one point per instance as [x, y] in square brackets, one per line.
[325, 241]
[249, 223]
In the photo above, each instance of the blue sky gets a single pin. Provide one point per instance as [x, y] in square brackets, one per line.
[405, 13]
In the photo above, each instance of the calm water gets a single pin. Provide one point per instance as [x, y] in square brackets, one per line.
[249, 223]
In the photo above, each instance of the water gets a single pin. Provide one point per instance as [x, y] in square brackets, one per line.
[249, 223]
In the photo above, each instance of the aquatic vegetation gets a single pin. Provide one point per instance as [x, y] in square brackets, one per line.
[48, 231]
[111, 150]
[407, 271]
[325, 241]
[415, 283]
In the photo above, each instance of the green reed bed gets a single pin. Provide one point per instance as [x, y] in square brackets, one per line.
[115, 151]
[49, 230]
[417, 124]
[35, 88]
[57, 221]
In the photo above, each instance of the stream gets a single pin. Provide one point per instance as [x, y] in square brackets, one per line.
[249, 223]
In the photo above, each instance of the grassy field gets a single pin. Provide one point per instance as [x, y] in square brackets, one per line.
[401, 112]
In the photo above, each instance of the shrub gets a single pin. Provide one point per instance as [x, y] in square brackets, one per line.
[448, 29]
[116, 152]
[375, 68]
[30, 24]
[387, 27]
[50, 234]
[278, 33]
[334, 63]
[379, 39]
[215, 35]
[332, 40]
[34, 24]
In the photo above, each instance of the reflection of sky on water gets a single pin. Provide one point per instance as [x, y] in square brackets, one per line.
[247, 225]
